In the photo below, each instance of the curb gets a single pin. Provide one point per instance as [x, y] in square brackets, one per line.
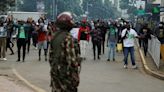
[147, 69]
[35, 88]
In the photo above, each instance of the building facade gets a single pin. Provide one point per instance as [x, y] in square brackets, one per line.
[162, 13]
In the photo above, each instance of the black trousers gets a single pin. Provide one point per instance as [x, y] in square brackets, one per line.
[28, 44]
[140, 41]
[35, 39]
[9, 46]
[21, 42]
[98, 46]
[145, 46]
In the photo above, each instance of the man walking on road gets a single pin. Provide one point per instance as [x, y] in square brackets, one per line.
[64, 60]
[3, 34]
[83, 38]
[42, 38]
[21, 38]
[112, 41]
[128, 35]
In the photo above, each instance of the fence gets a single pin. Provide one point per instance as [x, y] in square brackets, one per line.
[154, 50]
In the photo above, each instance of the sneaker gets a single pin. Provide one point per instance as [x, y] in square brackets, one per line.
[134, 67]
[4, 59]
[125, 66]
[108, 59]
[98, 57]
[46, 59]
[12, 54]
[39, 59]
[94, 58]
[18, 60]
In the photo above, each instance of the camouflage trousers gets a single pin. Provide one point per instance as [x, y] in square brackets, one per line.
[59, 86]
[62, 82]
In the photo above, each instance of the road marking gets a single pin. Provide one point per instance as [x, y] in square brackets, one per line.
[35, 88]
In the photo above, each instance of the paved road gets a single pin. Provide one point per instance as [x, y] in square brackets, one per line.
[96, 76]
[11, 85]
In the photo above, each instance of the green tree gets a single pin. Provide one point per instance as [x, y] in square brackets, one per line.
[124, 4]
[131, 9]
[98, 9]
[28, 6]
[5, 5]
[63, 5]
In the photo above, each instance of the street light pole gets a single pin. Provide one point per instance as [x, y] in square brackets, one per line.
[56, 7]
[87, 8]
[53, 9]
[16, 5]
[87, 11]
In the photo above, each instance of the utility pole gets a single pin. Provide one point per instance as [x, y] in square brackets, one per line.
[53, 9]
[16, 5]
[56, 7]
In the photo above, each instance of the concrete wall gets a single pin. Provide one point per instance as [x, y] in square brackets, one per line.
[162, 14]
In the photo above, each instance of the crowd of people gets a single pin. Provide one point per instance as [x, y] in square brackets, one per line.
[67, 43]
[39, 32]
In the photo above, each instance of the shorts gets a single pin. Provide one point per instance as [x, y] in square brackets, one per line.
[42, 44]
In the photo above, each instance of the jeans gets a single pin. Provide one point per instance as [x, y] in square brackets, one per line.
[112, 46]
[128, 50]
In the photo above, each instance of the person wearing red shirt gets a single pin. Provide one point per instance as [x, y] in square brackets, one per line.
[83, 38]
[42, 38]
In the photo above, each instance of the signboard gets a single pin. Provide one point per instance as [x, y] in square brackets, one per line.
[140, 12]
[161, 9]
[156, 10]
[140, 4]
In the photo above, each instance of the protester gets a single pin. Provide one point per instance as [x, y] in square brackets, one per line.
[96, 40]
[64, 61]
[10, 30]
[22, 37]
[103, 28]
[34, 35]
[83, 38]
[159, 32]
[111, 41]
[145, 35]
[3, 34]
[42, 38]
[128, 35]
[29, 30]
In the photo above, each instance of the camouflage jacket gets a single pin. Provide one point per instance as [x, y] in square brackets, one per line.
[64, 62]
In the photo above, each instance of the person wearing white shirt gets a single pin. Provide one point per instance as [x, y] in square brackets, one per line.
[3, 35]
[128, 35]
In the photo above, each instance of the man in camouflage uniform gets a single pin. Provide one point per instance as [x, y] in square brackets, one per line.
[64, 61]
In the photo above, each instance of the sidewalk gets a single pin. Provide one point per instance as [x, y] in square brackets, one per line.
[10, 85]
[150, 66]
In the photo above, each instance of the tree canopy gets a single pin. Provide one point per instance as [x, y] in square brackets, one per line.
[96, 8]
[5, 5]
[27, 5]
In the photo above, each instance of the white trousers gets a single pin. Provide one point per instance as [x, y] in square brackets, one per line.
[83, 46]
